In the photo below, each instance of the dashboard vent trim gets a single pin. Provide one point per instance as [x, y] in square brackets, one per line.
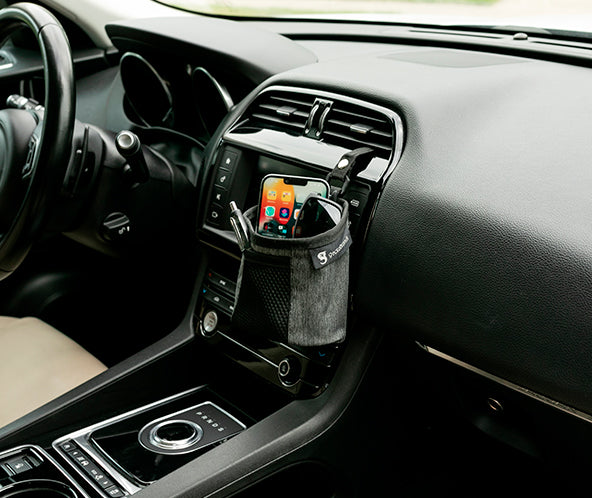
[352, 126]
[281, 110]
[324, 117]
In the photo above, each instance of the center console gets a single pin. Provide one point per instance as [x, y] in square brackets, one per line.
[286, 131]
[128, 452]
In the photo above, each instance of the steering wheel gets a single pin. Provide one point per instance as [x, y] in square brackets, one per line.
[35, 144]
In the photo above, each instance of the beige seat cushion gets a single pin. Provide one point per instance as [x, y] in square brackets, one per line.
[38, 364]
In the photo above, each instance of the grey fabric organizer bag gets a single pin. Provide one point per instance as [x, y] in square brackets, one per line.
[295, 290]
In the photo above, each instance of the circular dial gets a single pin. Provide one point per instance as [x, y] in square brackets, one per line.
[146, 91]
[213, 100]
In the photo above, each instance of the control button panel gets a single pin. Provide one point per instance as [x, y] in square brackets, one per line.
[30, 464]
[226, 166]
[218, 291]
[91, 470]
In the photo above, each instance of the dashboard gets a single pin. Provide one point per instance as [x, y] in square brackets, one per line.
[477, 186]
[467, 282]
[465, 223]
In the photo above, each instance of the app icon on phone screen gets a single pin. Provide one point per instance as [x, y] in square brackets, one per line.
[280, 200]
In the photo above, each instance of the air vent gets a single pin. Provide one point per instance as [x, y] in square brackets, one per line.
[284, 111]
[353, 126]
[324, 117]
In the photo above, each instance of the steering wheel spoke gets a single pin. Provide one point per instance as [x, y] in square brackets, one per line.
[27, 169]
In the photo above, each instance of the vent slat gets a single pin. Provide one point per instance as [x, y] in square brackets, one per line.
[354, 143]
[274, 109]
[353, 116]
[352, 126]
[278, 121]
[293, 100]
[284, 111]
[342, 124]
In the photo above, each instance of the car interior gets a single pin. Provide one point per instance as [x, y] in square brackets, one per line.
[424, 330]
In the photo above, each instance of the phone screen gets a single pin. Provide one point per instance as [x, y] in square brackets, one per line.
[280, 201]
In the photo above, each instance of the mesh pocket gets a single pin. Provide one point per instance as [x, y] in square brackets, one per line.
[263, 303]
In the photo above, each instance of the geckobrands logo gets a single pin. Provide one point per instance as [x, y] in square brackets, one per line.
[343, 244]
[324, 256]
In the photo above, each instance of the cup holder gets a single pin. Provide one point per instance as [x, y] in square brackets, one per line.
[38, 488]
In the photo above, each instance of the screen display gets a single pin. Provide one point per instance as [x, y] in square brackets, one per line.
[280, 200]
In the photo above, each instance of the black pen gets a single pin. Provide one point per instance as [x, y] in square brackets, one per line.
[239, 225]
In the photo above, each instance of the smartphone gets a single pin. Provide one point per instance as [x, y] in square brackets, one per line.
[280, 200]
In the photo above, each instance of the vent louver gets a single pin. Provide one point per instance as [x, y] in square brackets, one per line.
[327, 118]
[353, 126]
[285, 111]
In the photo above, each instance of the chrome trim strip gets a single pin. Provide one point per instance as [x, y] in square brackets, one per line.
[510, 385]
[82, 439]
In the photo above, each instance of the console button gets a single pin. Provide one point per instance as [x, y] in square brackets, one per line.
[114, 491]
[289, 370]
[82, 461]
[68, 446]
[219, 196]
[222, 283]
[357, 196]
[229, 159]
[223, 178]
[209, 324]
[104, 482]
[215, 215]
[219, 301]
[18, 465]
[97, 474]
